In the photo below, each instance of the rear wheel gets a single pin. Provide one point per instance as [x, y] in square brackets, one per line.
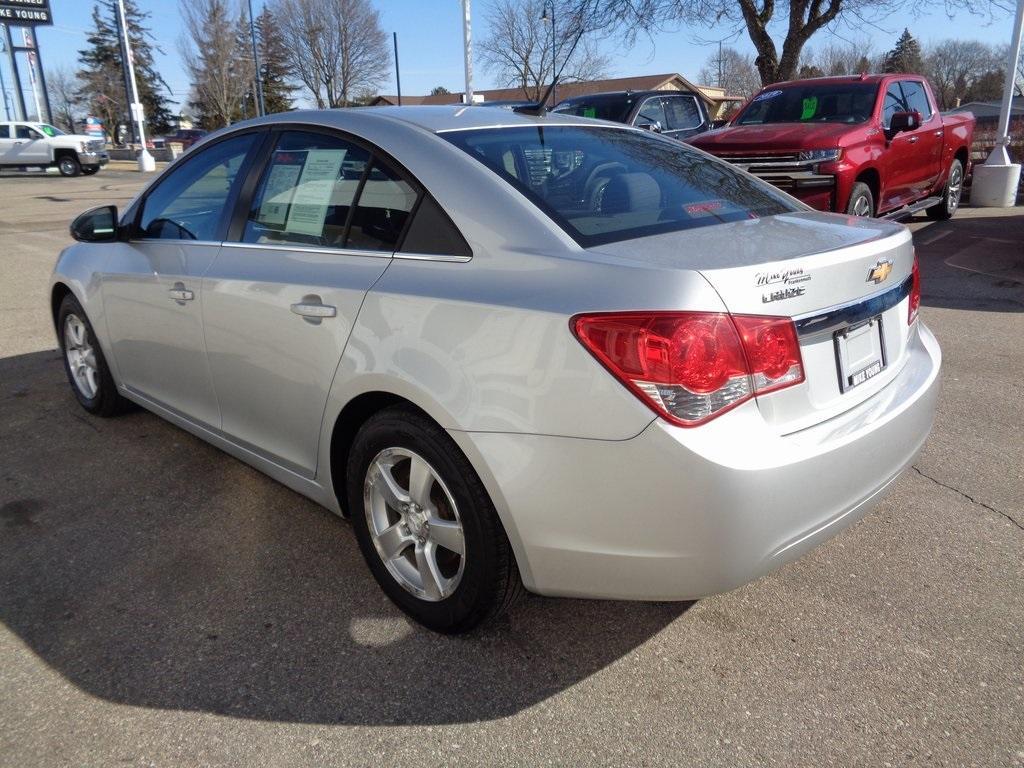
[951, 194]
[68, 165]
[862, 202]
[84, 364]
[425, 524]
[90, 171]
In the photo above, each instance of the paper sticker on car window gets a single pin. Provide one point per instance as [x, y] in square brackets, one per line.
[313, 194]
[767, 95]
[589, 112]
[810, 108]
[284, 174]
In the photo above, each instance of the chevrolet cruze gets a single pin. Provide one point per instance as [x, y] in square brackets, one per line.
[515, 350]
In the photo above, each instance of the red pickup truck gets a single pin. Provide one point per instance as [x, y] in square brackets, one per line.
[867, 145]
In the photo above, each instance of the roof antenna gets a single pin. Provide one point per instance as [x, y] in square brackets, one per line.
[540, 108]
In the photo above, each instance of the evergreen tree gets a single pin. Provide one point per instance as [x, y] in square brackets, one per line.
[103, 76]
[906, 56]
[274, 70]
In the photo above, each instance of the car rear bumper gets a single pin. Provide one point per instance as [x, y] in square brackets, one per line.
[676, 514]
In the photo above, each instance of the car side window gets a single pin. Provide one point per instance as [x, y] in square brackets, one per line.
[385, 201]
[916, 99]
[432, 232]
[307, 191]
[894, 102]
[189, 203]
[5, 131]
[27, 132]
[652, 111]
[681, 113]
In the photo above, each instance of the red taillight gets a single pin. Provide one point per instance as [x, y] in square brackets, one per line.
[915, 292]
[692, 366]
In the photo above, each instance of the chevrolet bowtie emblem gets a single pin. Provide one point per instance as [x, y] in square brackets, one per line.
[880, 272]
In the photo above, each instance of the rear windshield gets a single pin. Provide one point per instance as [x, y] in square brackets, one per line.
[602, 185]
[615, 110]
[818, 103]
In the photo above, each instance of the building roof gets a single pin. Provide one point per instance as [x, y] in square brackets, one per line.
[991, 108]
[665, 82]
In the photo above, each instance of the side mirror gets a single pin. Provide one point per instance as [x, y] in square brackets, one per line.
[97, 225]
[904, 121]
[648, 125]
[719, 123]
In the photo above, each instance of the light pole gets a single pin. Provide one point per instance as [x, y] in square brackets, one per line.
[260, 106]
[146, 162]
[554, 49]
[467, 48]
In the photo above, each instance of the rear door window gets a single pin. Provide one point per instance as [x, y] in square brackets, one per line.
[385, 201]
[5, 131]
[307, 191]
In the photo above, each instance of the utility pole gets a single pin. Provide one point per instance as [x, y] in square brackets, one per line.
[554, 51]
[719, 63]
[261, 108]
[398, 77]
[146, 162]
[467, 49]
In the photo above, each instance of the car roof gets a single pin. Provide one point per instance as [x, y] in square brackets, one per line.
[865, 78]
[432, 118]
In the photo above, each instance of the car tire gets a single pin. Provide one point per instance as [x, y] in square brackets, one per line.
[90, 171]
[68, 165]
[951, 194]
[862, 202]
[84, 363]
[402, 534]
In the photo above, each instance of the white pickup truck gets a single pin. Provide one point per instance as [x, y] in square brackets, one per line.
[40, 145]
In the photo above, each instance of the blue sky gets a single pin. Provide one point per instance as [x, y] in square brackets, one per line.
[430, 40]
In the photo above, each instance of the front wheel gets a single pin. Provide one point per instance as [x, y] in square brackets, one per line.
[84, 363]
[91, 170]
[862, 202]
[425, 524]
[69, 166]
[951, 194]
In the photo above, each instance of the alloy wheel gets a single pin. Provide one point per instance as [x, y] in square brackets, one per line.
[955, 189]
[414, 523]
[861, 207]
[81, 357]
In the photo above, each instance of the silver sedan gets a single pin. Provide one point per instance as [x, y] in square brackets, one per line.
[517, 351]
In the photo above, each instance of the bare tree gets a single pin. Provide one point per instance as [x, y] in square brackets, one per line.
[734, 71]
[65, 97]
[520, 52]
[336, 48]
[798, 20]
[842, 58]
[217, 60]
[954, 66]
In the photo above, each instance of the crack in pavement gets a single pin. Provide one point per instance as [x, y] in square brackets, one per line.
[969, 497]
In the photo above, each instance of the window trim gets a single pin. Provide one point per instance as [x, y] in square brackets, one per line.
[134, 225]
[640, 108]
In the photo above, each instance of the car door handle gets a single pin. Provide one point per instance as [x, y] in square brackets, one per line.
[314, 309]
[180, 293]
[938, 133]
[914, 139]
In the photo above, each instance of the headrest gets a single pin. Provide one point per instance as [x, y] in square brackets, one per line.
[630, 192]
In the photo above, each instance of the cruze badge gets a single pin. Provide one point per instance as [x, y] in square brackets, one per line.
[782, 293]
[880, 272]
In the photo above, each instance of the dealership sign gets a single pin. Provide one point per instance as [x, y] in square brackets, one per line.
[25, 12]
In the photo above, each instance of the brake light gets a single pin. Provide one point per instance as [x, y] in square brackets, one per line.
[690, 367]
[915, 292]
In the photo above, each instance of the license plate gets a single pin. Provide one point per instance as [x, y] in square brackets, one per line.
[860, 353]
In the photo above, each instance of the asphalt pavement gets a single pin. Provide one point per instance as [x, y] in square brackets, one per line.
[162, 604]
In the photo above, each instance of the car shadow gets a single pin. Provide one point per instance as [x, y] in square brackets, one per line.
[150, 569]
[974, 261]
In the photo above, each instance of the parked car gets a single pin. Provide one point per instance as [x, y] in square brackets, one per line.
[422, 319]
[184, 136]
[679, 114]
[870, 145]
[40, 145]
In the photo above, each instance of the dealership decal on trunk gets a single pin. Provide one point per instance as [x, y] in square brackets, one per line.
[782, 293]
[789, 277]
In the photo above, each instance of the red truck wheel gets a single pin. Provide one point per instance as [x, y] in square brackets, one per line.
[862, 202]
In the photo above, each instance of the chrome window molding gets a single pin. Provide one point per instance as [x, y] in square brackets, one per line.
[433, 257]
[285, 247]
[172, 241]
